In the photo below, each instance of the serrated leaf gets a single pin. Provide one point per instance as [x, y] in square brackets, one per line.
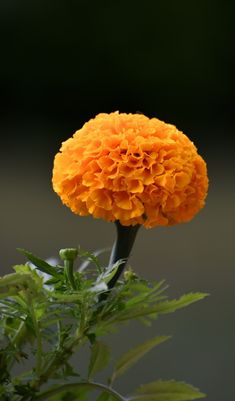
[160, 308]
[182, 302]
[39, 263]
[135, 354]
[100, 354]
[167, 391]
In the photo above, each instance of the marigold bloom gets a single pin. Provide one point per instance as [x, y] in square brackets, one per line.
[130, 168]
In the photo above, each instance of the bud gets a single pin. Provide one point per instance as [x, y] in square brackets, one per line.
[129, 275]
[68, 254]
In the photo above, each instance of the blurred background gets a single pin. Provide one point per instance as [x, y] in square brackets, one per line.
[62, 62]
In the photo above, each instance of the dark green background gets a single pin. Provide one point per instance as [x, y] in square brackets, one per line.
[62, 62]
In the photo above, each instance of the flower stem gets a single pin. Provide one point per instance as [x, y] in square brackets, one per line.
[122, 248]
[62, 354]
[18, 338]
[68, 264]
[70, 386]
[38, 336]
[60, 357]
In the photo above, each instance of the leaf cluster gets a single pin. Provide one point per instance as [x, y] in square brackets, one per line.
[47, 320]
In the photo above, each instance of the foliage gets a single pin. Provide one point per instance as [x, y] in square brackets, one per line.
[49, 320]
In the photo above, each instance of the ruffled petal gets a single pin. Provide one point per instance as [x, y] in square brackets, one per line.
[130, 168]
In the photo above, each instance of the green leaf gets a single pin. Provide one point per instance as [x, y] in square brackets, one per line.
[11, 284]
[39, 263]
[91, 257]
[109, 272]
[60, 297]
[182, 302]
[33, 273]
[135, 354]
[24, 390]
[160, 307]
[167, 391]
[53, 280]
[105, 397]
[100, 354]
[99, 288]
[73, 395]
[146, 293]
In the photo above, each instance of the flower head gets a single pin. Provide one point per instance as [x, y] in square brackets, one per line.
[133, 169]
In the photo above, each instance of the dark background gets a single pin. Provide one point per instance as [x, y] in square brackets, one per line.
[62, 62]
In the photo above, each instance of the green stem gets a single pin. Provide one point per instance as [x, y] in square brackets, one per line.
[70, 386]
[19, 334]
[59, 358]
[68, 264]
[62, 355]
[17, 340]
[38, 337]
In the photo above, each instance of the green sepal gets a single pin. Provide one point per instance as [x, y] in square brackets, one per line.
[68, 254]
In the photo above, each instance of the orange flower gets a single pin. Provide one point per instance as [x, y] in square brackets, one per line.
[130, 168]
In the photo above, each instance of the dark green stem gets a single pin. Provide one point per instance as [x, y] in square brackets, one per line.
[122, 248]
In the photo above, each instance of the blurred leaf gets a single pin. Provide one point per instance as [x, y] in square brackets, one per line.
[72, 395]
[100, 354]
[109, 272]
[27, 269]
[66, 297]
[105, 397]
[135, 354]
[40, 263]
[25, 390]
[53, 280]
[79, 395]
[11, 284]
[182, 302]
[69, 371]
[99, 288]
[91, 257]
[166, 391]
